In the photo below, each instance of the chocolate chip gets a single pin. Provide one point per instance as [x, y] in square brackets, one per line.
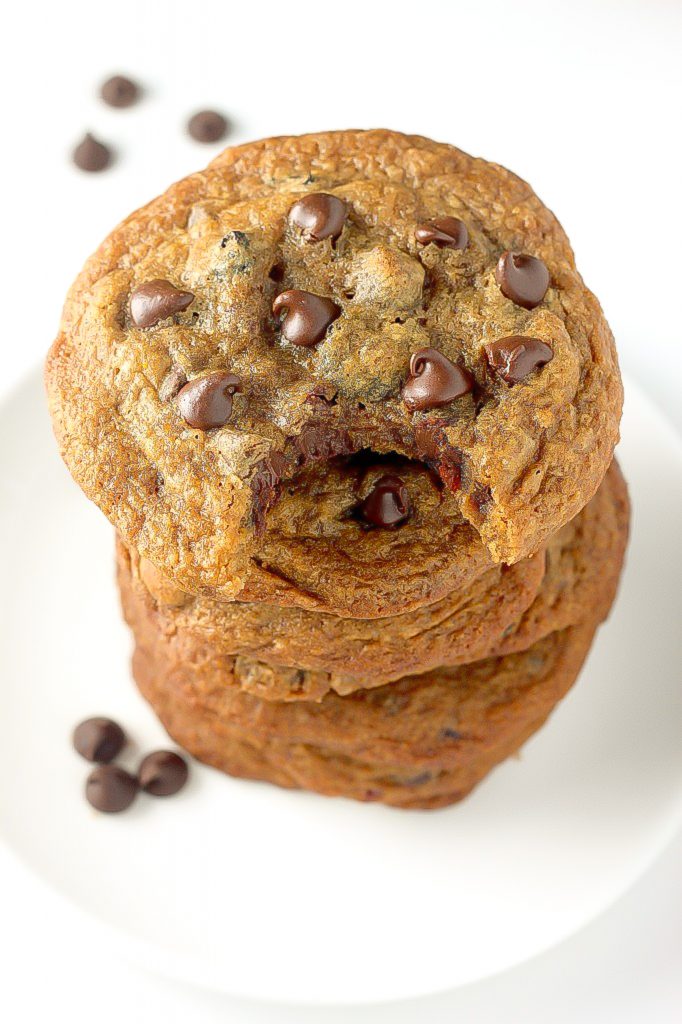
[319, 443]
[515, 357]
[523, 279]
[98, 739]
[110, 789]
[207, 126]
[162, 773]
[434, 380]
[388, 502]
[206, 402]
[307, 316]
[443, 231]
[91, 155]
[265, 485]
[172, 382]
[318, 216]
[155, 300]
[451, 734]
[419, 780]
[119, 91]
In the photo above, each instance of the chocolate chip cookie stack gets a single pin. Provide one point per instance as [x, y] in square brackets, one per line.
[352, 412]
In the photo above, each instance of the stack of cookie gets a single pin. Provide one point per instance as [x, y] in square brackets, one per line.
[352, 411]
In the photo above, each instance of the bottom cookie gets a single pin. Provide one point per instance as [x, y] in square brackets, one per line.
[424, 741]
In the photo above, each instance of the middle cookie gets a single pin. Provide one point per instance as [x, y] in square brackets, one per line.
[294, 654]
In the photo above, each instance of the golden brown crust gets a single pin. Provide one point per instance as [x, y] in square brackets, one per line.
[529, 456]
[584, 563]
[424, 741]
[292, 654]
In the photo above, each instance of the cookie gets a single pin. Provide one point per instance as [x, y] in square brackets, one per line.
[583, 566]
[311, 298]
[291, 654]
[423, 741]
[329, 548]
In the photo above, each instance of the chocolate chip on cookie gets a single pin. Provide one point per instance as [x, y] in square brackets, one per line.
[397, 297]
[110, 789]
[119, 91]
[155, 300]
[306, 316]
[206, 402]
[443, 231]
[434, 381]
[318, 216]
[91, 155]
[388, 502]
[99, 739]
[515, 357]
[523, 279]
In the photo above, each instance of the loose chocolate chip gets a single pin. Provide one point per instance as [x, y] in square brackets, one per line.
[523, 279]
[515, 357]
[207, 126]
[206, 402]
[388, 502]
[110, 789]
[162, 773]
[434, 380]
[91, 155]
[307, 316]
[119, 91]
[98, 739]
[318, 216]
[153, 301]
[443, 231]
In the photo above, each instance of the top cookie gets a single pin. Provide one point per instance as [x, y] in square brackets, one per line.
[308, 298]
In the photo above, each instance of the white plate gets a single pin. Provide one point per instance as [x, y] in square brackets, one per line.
[278, 895]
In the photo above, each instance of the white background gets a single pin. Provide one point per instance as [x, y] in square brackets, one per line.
[582, 99]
